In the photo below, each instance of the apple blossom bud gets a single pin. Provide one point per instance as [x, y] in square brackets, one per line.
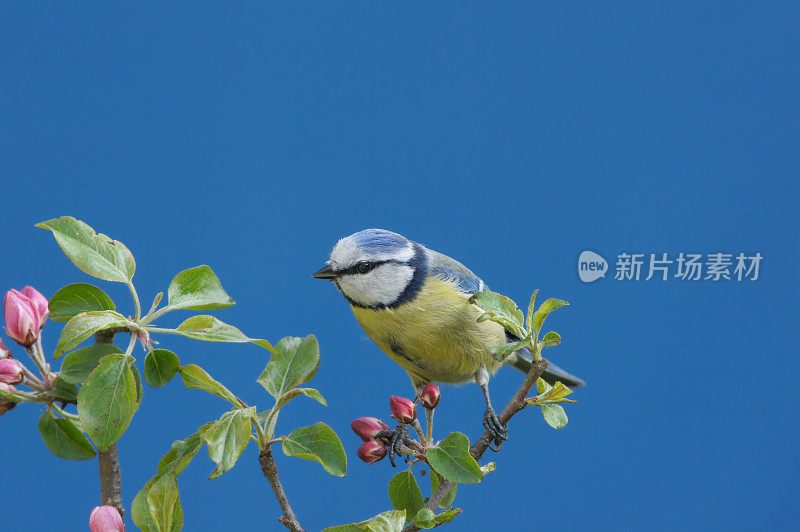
[4, 351]
[430, 396]
[403, 410]
[6, 404]
[22, 318]
[10, 371]
[39, 302]
[106, 519]
[368, 427]
[371, 451]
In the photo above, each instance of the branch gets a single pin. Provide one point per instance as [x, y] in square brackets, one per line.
[270, 470]
[516, 404]
[110, 477]
[110, 481]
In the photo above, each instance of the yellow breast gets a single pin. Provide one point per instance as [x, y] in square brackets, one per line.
[435, 337]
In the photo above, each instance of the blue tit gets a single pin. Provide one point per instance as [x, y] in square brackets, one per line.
[414, 303]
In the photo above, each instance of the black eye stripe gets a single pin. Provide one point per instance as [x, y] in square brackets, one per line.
[358, 267]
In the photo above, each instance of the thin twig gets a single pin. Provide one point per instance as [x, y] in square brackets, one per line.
[516, 404]
[270, 470]
[110, 476]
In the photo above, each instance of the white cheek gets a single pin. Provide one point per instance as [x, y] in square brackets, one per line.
[381, 286]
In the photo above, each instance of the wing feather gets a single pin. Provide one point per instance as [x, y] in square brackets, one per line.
[449, 269]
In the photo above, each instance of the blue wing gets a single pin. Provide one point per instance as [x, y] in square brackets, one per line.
[444, 267]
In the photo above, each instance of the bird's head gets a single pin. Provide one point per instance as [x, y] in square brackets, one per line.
[374, 267]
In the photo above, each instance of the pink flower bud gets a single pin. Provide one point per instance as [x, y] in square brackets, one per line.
[39, 302]
[106, 519]
[11, 371]
[4, 351]
[368, 427]
[5, 404]
[371, 451]
[430, 396]
[403, 410]
[22, 318]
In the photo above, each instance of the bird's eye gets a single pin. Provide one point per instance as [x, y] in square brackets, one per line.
[364, 267]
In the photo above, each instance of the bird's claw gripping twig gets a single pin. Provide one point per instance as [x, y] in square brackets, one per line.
[396, 439]
[498, 431]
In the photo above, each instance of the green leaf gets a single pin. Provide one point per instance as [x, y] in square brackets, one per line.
[156, 301]
[555, 416]
[447, 516]
[196, 377]
[530, 311]
[551, 339]
[137, 379]
[504, 351]
[450, 497]
[546, 308]
[404, 493]
[308, 392]
[140, 510]
[64, 439]
[295, 362]
[210, 329]
[425, 519]
[64, 390]
[227, 438]
[86, 324]
[108, 400]
[160, 365]
[175, 461]
[73, 299]
[502, 310]
[451, 459]
[95, 254]
[199, 289]
[542, 386]
[392, 521]
[551, 394]
[320, 443]
[181, 453]
[164, 504]
[77, 365]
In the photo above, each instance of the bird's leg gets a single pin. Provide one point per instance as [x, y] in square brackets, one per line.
[396, 439]
[491, 422]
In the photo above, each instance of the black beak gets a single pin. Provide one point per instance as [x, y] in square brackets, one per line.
[325, 273]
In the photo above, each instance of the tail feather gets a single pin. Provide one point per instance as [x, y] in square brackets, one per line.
[552, 374]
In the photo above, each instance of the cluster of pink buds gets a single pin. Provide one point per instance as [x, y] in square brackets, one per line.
[106, 519]
[26, 312]
[376, 434]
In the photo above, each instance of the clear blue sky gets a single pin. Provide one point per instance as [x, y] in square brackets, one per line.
[250, 137]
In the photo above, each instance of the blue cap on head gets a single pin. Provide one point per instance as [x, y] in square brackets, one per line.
[379, 240]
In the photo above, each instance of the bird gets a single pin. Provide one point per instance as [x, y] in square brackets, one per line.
[414, 303]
